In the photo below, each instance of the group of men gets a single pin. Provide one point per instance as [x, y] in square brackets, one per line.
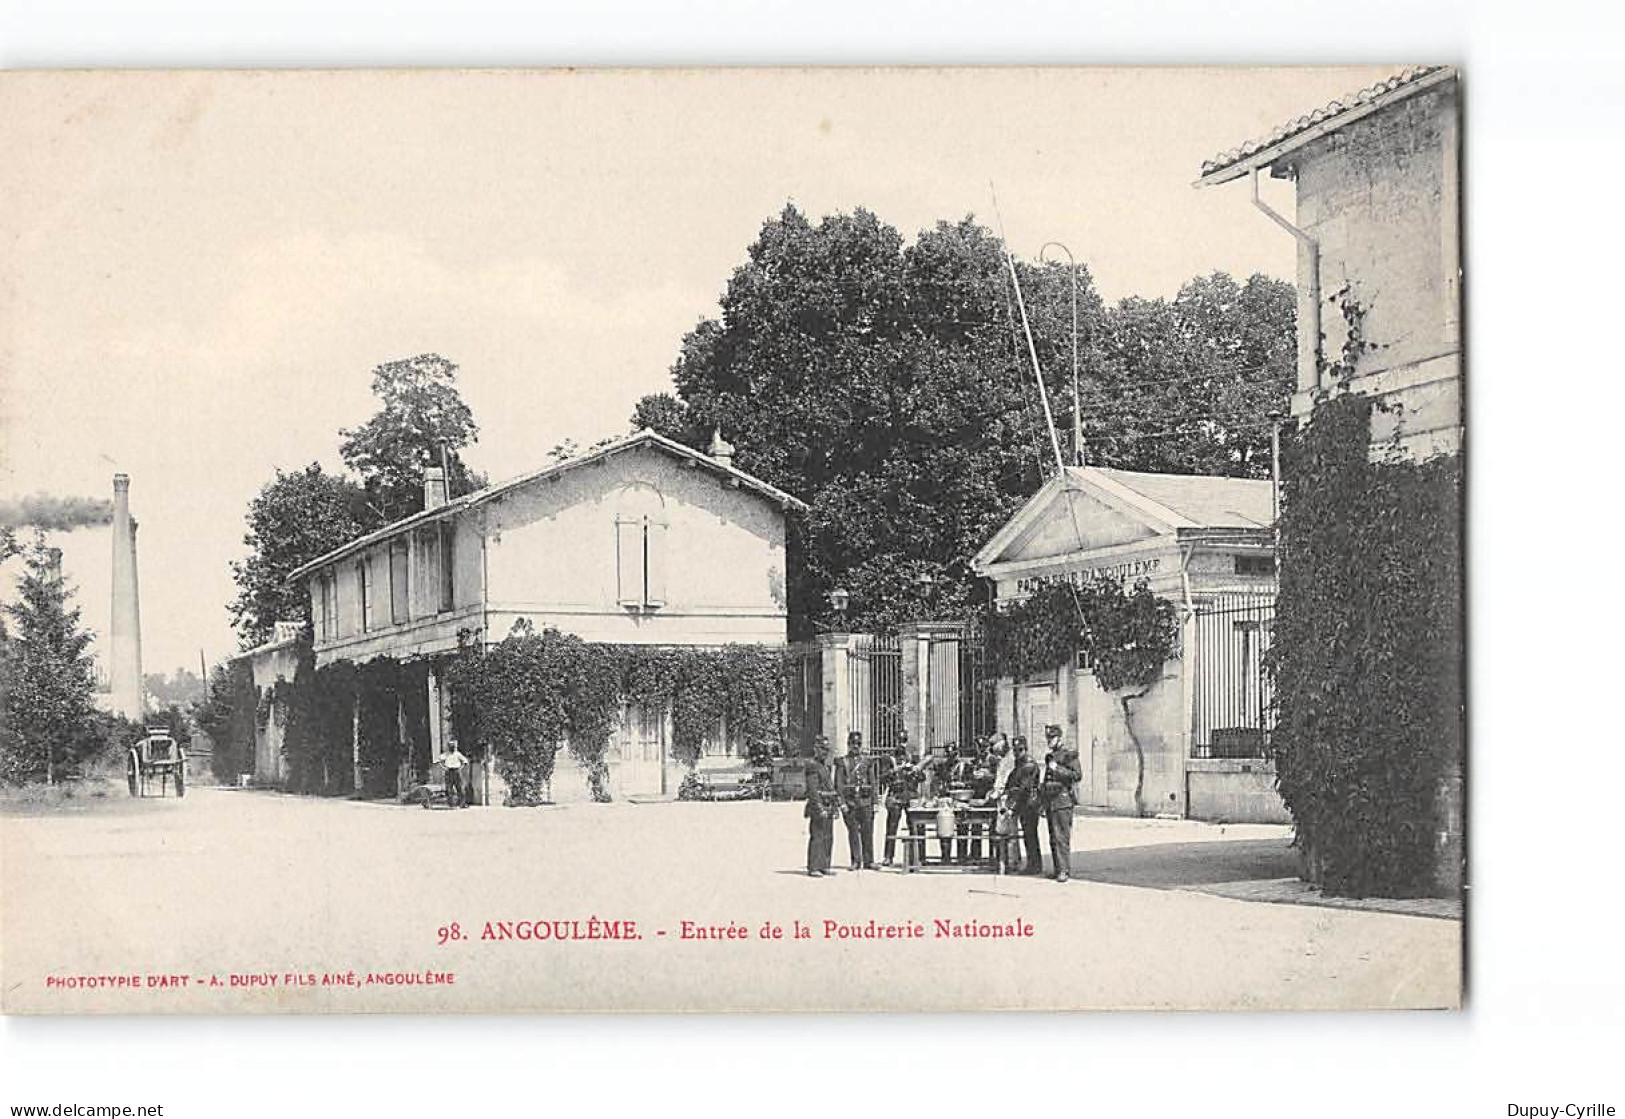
[998, 771]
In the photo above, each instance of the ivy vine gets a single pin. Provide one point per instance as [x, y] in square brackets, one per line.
[532, 691]
[1366, 656]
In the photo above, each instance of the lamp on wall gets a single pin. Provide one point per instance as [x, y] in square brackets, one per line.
[927, 582]
[839, 599]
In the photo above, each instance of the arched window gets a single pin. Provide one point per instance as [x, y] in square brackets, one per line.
[640, 547]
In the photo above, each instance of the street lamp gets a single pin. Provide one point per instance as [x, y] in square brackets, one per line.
[1077, 403]
[838, 600]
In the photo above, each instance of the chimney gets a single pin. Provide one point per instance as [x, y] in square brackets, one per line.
[125, 669]
[721, 449]
[434, 487]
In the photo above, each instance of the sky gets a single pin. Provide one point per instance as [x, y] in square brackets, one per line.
[198, 272]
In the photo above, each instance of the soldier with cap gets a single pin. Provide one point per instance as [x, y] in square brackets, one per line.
[903, 781]
[1021, 794]
[855, 781]
[1056, 788]
[822, 808]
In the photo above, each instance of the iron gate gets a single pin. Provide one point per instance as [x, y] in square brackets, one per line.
[1232, 697]
[874, 669]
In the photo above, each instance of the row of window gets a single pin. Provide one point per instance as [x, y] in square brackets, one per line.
[437, 547]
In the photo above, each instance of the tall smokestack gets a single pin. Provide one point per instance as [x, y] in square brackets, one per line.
[125, 670]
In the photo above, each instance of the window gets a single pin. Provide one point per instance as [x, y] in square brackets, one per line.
[327, 607]
[1255, 565]
[448, 572]
[364, 582]
[318, 605]
[640, 548]
[400, 587]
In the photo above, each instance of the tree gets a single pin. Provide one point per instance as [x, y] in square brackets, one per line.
[1186, 386]
[664, 413]
[297, 517]
[420, 416]
[884, 384]
[49, 718]
[180, 688]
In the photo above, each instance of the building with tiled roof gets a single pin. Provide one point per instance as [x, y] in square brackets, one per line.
[1377, 181]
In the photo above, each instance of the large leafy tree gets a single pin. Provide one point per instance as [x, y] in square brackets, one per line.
[1186, 385]
[420, 416]
[885, 383]
[48, 723]
[298, 516]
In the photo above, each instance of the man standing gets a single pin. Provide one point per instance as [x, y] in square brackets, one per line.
[857, 788]
[453, 761]
[1060, 775]
[902, 787]
[1021, 794]
[821, 809]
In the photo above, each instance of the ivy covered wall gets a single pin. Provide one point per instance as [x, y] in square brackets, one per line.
[1367, 655]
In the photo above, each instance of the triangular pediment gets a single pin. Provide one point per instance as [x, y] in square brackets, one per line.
[1067, 516]
[1075, 522]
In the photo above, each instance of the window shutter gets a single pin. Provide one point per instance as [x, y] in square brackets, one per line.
[629, 561]
[400, 588]
[654, 556]
[448, 572]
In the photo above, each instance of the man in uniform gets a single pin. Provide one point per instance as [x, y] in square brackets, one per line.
[983, 767]
[821, 810]
[1021, 794]
[1059, 776]
[902, 785]
[856, 785]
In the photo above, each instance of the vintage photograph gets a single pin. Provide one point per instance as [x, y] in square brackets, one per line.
[905, 539]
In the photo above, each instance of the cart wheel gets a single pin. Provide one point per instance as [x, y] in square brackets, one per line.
[180, 781]
[133, 773]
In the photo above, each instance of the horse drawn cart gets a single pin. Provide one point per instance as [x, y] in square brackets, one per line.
[157, 757]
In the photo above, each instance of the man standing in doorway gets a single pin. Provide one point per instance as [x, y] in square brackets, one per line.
[453, 761]
[857, 787]
[821, 809]
[1059, 777]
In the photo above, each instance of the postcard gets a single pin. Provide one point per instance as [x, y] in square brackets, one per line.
[731, 540]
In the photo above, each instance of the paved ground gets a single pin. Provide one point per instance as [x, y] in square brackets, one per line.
[256, 892]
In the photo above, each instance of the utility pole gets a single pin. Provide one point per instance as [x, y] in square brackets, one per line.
[1032, 351]
[1077, 400]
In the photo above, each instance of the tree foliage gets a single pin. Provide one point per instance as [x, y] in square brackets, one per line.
[889, 386]
[663, 413]
[420, 413]
[48, 723]
[226, 715]
[1367, 650]
[1185, 386]
[296, 517]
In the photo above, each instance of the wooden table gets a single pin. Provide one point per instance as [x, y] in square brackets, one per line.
[965, 815]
